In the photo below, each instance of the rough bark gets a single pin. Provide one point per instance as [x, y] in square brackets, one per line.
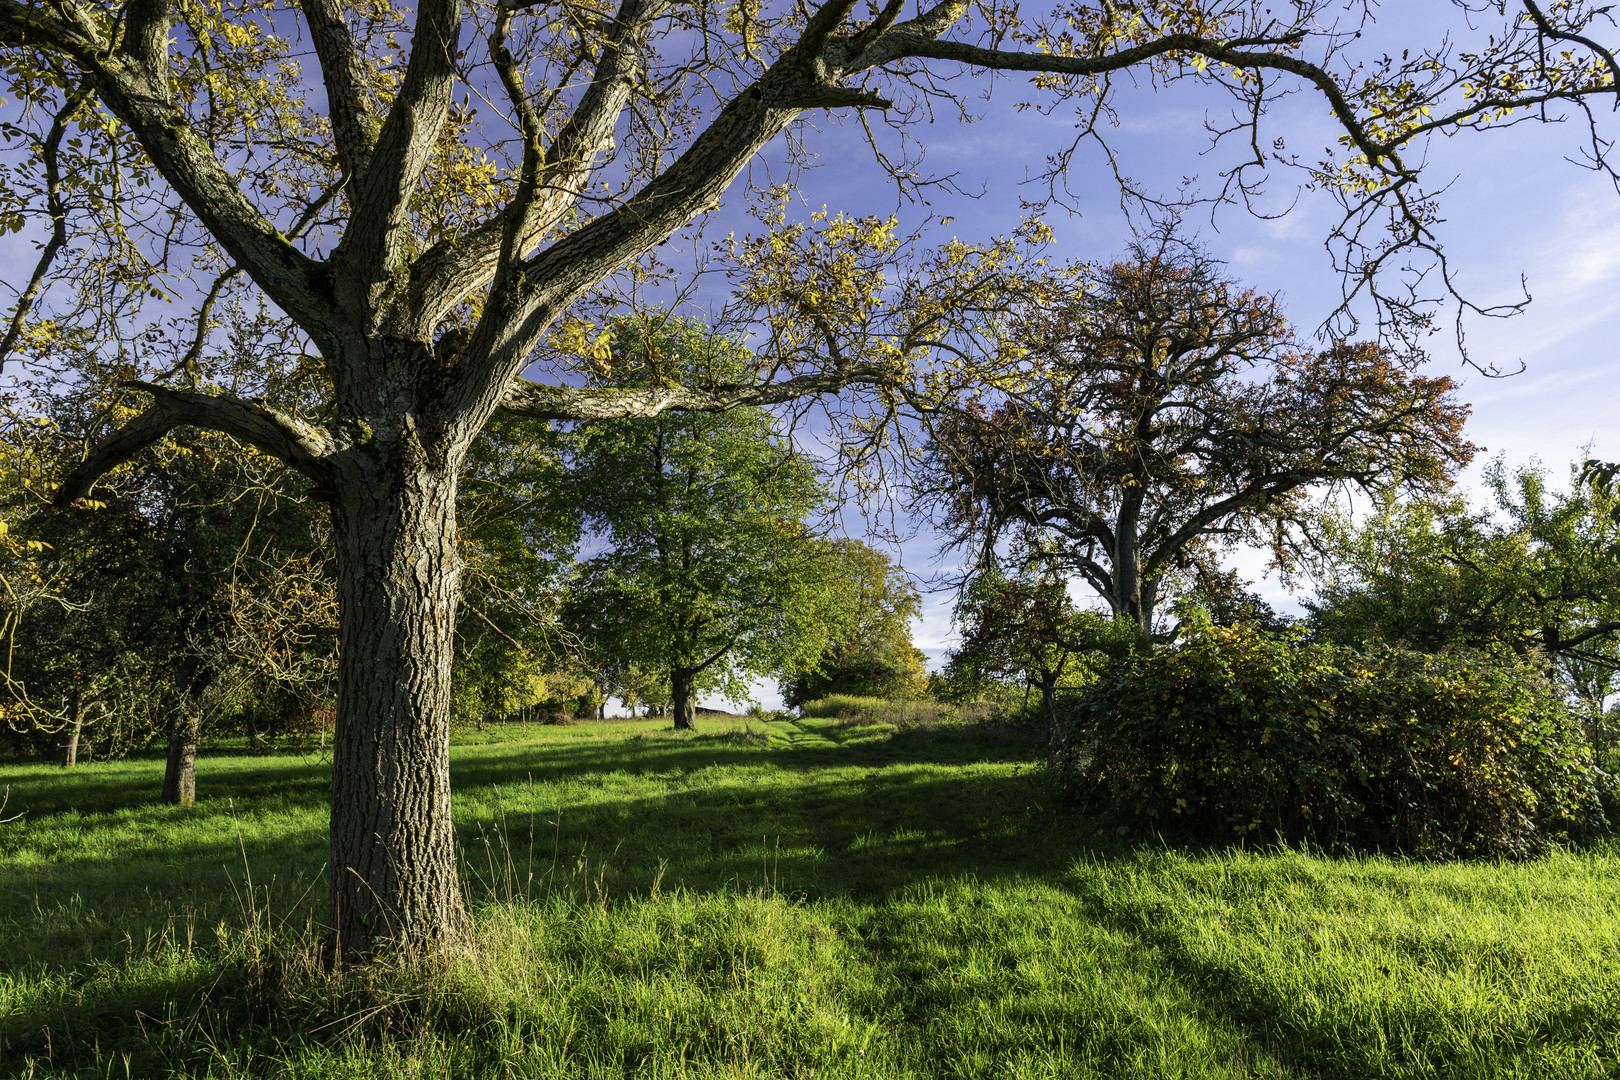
[683, 692]
[180, 774]
[70, 737]
[393, 863]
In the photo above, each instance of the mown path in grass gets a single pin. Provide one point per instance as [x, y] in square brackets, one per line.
[777, 900]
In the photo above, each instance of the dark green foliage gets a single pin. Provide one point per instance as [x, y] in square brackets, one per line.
[1240, 735]
[709, 570]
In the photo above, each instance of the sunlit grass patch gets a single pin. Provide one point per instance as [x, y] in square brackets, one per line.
[824, 901]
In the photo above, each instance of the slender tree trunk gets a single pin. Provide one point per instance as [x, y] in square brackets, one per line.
[1128, 568]
[393, 863]
[1049, 709]
[70, 737]
[683, 689]
[180, 774]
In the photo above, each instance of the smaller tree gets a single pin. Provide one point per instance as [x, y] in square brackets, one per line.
[1157, 413]
[710, 572]
[639, 687]
[1029, 630]
[870, 653]
[1225, 598]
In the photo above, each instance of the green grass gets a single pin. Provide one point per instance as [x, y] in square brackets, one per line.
[899, 714]
[791, 899]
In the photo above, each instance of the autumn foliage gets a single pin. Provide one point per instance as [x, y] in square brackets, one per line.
[1160, 413]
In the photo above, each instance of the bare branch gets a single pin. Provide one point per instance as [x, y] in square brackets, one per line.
[57, 210]
[551, 182]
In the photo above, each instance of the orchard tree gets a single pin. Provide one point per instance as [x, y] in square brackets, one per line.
[198, 563]
[167, 154]
[640, 687]
[1163, 412]
[870, 653]
[1533, 576]
[1027, 629]
[711, 571]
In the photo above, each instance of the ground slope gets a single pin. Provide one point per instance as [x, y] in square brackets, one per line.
[776, 900]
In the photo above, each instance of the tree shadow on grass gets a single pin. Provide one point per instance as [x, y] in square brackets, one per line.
[94, 863]
[879, 824]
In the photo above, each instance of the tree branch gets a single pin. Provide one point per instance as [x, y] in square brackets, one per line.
[1238, 53]
[446, 273]
[379, 200]
[1600, 630]
[57, 210]
[276, 433]
[539, 402]
[341, 70]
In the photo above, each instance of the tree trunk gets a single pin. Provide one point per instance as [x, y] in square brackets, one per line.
[1049, 711]
[70, 737]
[683, 691]
[180, 774]
[1128, 568]
[393, 864]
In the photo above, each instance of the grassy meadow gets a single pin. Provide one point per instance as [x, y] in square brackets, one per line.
[812, 898]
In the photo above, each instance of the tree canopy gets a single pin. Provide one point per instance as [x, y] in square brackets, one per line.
[870, 653]
[1163, 413]
[331, 158]
[711, 570]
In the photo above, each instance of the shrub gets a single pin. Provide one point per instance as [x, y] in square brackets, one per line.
[1238, 734]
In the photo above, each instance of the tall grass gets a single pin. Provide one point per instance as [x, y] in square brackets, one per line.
[800, 898]
[903, 715]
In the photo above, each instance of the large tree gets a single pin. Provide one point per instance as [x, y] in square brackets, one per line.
[427, 247]
[1162, 412]
[711, 571]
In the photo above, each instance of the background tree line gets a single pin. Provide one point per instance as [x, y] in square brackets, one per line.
[1161, 414]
